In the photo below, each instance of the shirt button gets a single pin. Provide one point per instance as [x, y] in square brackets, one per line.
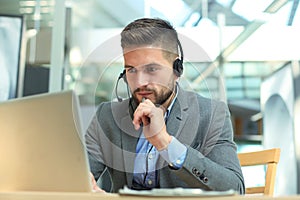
[149, 182]
[150, 156]
[178, 162]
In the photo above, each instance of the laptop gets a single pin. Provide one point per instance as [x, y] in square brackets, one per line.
[41, 144]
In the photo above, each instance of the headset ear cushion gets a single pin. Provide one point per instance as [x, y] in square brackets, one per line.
[177, 67]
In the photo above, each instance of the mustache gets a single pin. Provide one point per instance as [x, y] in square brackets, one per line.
[143, 90]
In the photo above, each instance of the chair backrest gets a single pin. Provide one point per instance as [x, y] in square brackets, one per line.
[270, 158]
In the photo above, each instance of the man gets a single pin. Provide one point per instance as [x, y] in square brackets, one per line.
[163, 136]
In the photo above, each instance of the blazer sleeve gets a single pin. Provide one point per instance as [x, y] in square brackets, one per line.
[95, 155]
[213, 164]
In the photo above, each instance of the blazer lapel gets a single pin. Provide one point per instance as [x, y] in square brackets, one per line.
[184, 123]
[178, 115]
[175, 124]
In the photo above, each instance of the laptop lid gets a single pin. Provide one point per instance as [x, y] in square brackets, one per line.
[41, 144]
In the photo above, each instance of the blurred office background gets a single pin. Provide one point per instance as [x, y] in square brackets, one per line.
[243, 52]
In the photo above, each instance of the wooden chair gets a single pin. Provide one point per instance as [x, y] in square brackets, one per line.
[269, 158]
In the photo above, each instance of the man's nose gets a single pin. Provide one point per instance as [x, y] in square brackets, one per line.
[142, 79]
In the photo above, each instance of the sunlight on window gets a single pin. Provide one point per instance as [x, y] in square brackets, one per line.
[174, 10]
[250, 9]
[193, 19]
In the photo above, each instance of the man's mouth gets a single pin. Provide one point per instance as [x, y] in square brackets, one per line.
[143, 94]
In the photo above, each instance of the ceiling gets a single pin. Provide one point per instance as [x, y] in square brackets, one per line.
[116, 13]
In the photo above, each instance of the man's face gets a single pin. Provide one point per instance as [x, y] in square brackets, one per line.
[149, 74]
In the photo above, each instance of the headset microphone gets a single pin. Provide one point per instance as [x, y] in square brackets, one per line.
[122, 75]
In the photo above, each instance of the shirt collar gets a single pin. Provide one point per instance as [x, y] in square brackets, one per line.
[171, 104]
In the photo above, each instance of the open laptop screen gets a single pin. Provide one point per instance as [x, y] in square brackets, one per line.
[41, 144]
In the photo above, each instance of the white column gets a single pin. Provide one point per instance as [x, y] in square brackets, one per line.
[57, 47]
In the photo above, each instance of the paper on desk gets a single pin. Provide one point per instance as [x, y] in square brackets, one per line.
[175, 192]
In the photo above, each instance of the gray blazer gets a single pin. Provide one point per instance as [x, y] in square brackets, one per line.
[202, 124]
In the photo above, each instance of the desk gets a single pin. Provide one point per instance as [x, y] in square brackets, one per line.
[99, 196]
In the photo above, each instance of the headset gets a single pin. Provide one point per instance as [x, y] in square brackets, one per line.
[177, 69]
[122, 75]
[178, 63]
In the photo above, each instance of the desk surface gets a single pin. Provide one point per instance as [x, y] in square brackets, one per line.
[99, 196]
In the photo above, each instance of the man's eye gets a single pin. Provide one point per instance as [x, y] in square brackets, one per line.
[151, 69]
[131, 70]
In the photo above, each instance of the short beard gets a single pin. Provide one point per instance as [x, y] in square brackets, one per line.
[160, 98]
[163, 97]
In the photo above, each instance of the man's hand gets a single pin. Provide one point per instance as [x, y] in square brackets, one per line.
[95, 187]
[152, 120]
